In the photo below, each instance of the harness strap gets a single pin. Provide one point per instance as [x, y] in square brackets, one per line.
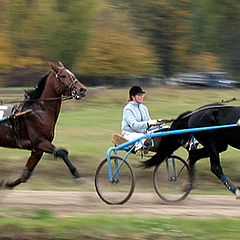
[15, 127]
[13, 121]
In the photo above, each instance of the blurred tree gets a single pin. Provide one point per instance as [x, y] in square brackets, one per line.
[116, 37]
[47, 29]
[16, 14]
[215, 26]
[115, 48]
[5, 53]
[204, 62]
[165, 23]
[59, 30]
[68, 29]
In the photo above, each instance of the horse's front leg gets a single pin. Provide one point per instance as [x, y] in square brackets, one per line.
[27, 172]
[62, 153]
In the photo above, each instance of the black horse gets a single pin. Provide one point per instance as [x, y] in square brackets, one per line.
[213, 141]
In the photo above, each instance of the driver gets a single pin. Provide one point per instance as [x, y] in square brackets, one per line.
[136, 120]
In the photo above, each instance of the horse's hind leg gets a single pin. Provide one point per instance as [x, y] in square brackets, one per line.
[194, 156]
[27, 172]
[217, 170]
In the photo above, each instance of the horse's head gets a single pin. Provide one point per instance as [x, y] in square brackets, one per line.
[69, 84]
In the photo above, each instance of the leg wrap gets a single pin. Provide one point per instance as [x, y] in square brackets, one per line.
[60, 153]
[228, 183]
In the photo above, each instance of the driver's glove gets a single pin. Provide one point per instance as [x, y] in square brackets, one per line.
[152, 122]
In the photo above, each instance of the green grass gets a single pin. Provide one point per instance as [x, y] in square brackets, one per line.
[85, 129]
[44, 224]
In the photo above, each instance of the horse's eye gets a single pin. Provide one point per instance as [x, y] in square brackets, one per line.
[63, 76]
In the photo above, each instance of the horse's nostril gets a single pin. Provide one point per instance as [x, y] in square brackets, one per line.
[83, 90]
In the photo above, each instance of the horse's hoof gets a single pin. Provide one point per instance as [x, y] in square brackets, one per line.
[4, 183]
[75, 173]
[80, 180]
[187, 187]
[237, 193]
[9, 185]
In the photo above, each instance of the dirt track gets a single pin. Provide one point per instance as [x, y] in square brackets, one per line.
[143, 204]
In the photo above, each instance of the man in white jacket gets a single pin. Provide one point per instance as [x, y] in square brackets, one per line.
[136, 120]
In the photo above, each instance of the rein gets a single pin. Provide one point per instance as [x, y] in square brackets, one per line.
[36, 100]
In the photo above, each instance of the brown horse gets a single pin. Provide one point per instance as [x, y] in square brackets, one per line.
[34, 130]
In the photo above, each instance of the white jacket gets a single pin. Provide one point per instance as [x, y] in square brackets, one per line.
[135, 117]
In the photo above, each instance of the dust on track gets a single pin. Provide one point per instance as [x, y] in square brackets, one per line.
[72, 203]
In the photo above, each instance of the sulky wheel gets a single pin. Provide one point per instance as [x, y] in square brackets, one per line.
[171, 179]
[120, 189]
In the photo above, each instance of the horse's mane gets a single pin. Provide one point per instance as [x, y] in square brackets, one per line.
[182, 115]
[180, 122]
[37, 92]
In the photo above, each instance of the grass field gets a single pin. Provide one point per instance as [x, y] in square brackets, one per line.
[85, 128]
[43, 224]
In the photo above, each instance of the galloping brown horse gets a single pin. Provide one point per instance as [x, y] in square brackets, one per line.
[34, 131]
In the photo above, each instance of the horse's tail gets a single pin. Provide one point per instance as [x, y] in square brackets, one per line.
[155, 160]
[170, 143]
[166, 147]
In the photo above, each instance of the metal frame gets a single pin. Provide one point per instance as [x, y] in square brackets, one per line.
[125, 146]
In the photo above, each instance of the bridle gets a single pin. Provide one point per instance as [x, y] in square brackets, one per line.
[74, 93]
[72, 86]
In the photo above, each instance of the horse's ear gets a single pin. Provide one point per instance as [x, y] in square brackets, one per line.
[60, 64]
[54, 67]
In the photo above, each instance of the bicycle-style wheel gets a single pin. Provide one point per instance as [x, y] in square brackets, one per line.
[171, 179]
[120, 189]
